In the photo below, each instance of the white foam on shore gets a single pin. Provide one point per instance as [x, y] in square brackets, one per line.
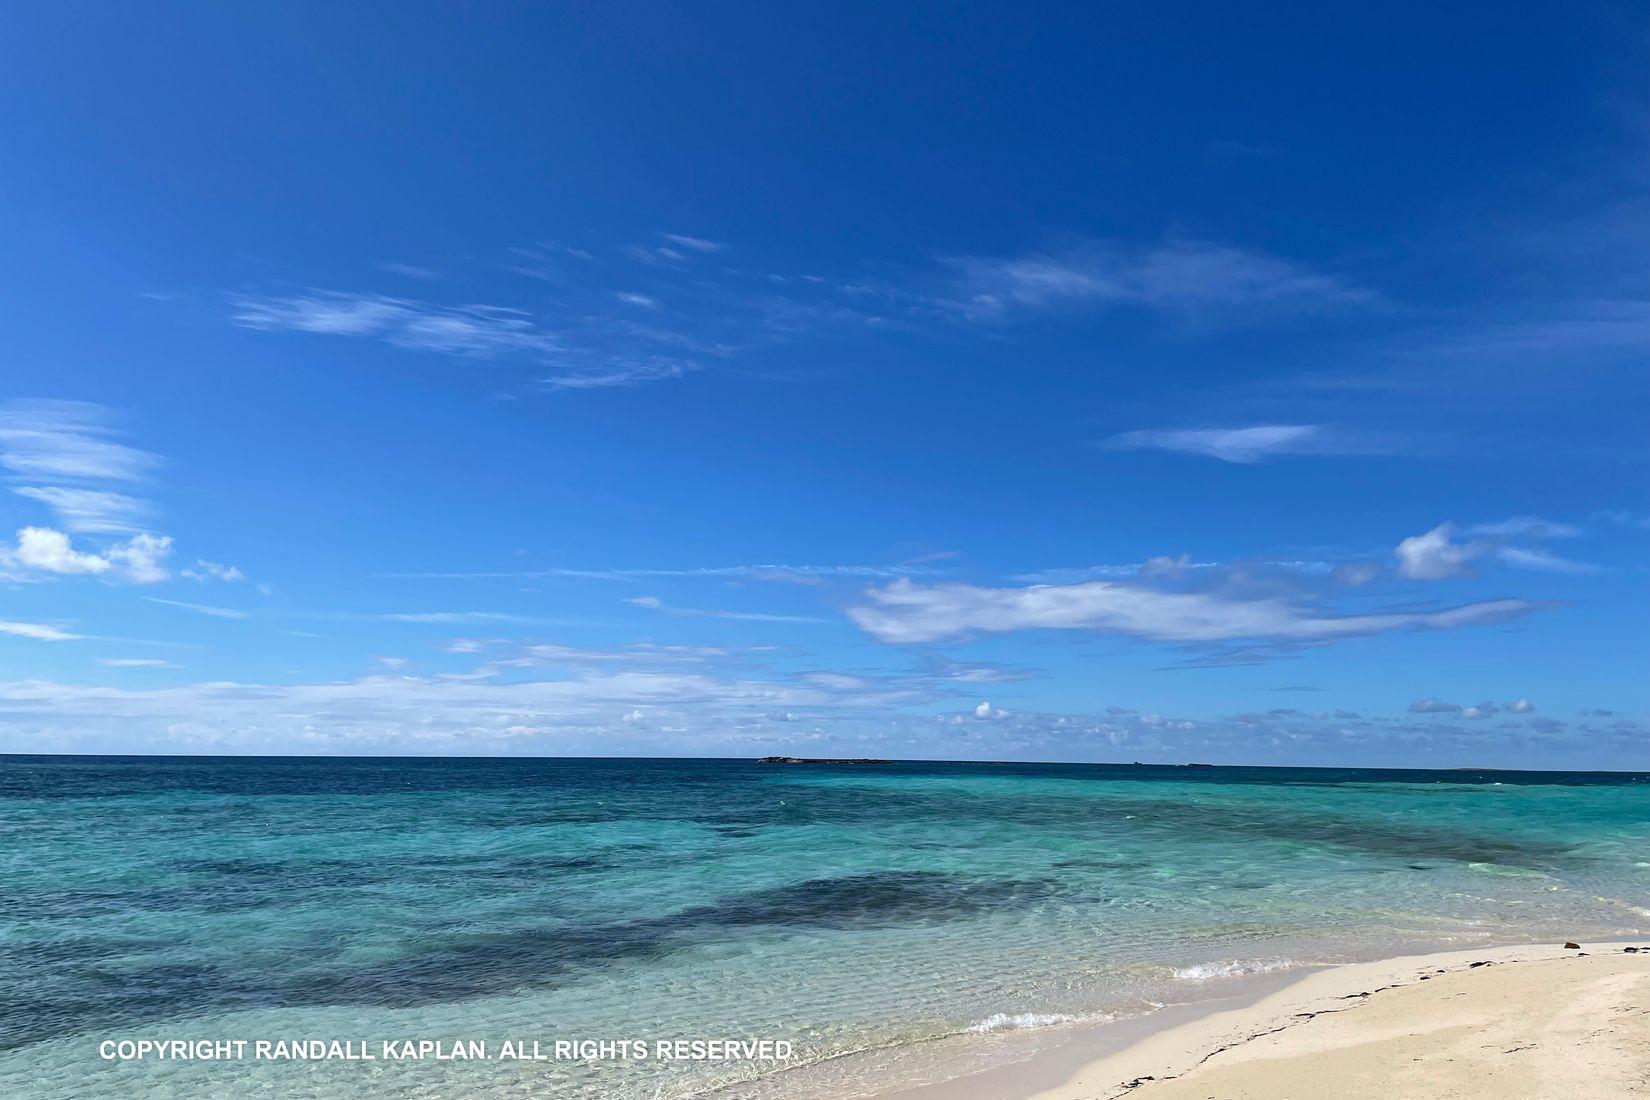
[1004, 1021]
[1232, 968]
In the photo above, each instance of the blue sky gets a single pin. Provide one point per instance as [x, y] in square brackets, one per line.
[1147, 382]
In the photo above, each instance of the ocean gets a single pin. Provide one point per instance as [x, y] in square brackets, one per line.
[878, 918]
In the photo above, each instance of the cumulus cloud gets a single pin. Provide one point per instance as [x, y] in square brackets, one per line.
[140, 557]
[903, 612]
[1434, 555]
[1437, 554]
[75, 444]
[1486, 709]
[212, 571]
[50, 552]
[45, 550]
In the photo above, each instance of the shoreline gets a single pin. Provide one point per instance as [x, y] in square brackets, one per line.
[1266, 1027]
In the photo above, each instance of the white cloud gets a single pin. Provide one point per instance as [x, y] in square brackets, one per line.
[697, 244]
[630, 297]
[903, 612]
[1528, 527]
[653, 603]
[1434, 555]
[1521, 706]
[472, 331]
[141, 556]
[90, 510]
[453, 617]
[677, 712]
[73, 441]
[66, 439]
[1243, 445]
[1193, 276]
[200, 608]
[1521, 557]
[45, 550]
[135, 662]
[49, 551]
[412, 271]
[634, 653]
[211, 570]
[39, 631]
[1356, 574]
[617, 371]
[754, 572]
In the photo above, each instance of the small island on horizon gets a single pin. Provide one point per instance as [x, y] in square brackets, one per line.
[820, 760]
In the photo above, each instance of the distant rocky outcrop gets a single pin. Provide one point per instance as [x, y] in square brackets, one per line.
[820, 760]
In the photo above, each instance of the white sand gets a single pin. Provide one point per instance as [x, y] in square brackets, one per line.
[1536, 1022]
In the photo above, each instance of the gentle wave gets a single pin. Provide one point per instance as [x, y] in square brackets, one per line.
[1234, 968]
[1005, 1021]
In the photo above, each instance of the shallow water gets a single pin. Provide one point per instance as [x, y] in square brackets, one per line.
[841, 908]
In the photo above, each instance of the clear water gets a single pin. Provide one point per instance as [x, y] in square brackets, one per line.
[843, 908]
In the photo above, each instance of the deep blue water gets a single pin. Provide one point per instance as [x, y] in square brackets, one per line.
[840, 907]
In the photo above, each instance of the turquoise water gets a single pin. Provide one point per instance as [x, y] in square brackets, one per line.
[839, 908]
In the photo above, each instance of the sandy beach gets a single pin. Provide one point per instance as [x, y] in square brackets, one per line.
[1501, 1023]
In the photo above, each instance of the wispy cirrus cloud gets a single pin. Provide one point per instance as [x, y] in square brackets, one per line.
[453, 617]
[68, 440]
[475, 331]
[905, 613]
[694, 244]
[1250, 444]
[200, 608]
[571, 360]
[69, 457]
[754, 572]
[654, 603]
[92, 511]
[39, 631]
[1183, 276]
